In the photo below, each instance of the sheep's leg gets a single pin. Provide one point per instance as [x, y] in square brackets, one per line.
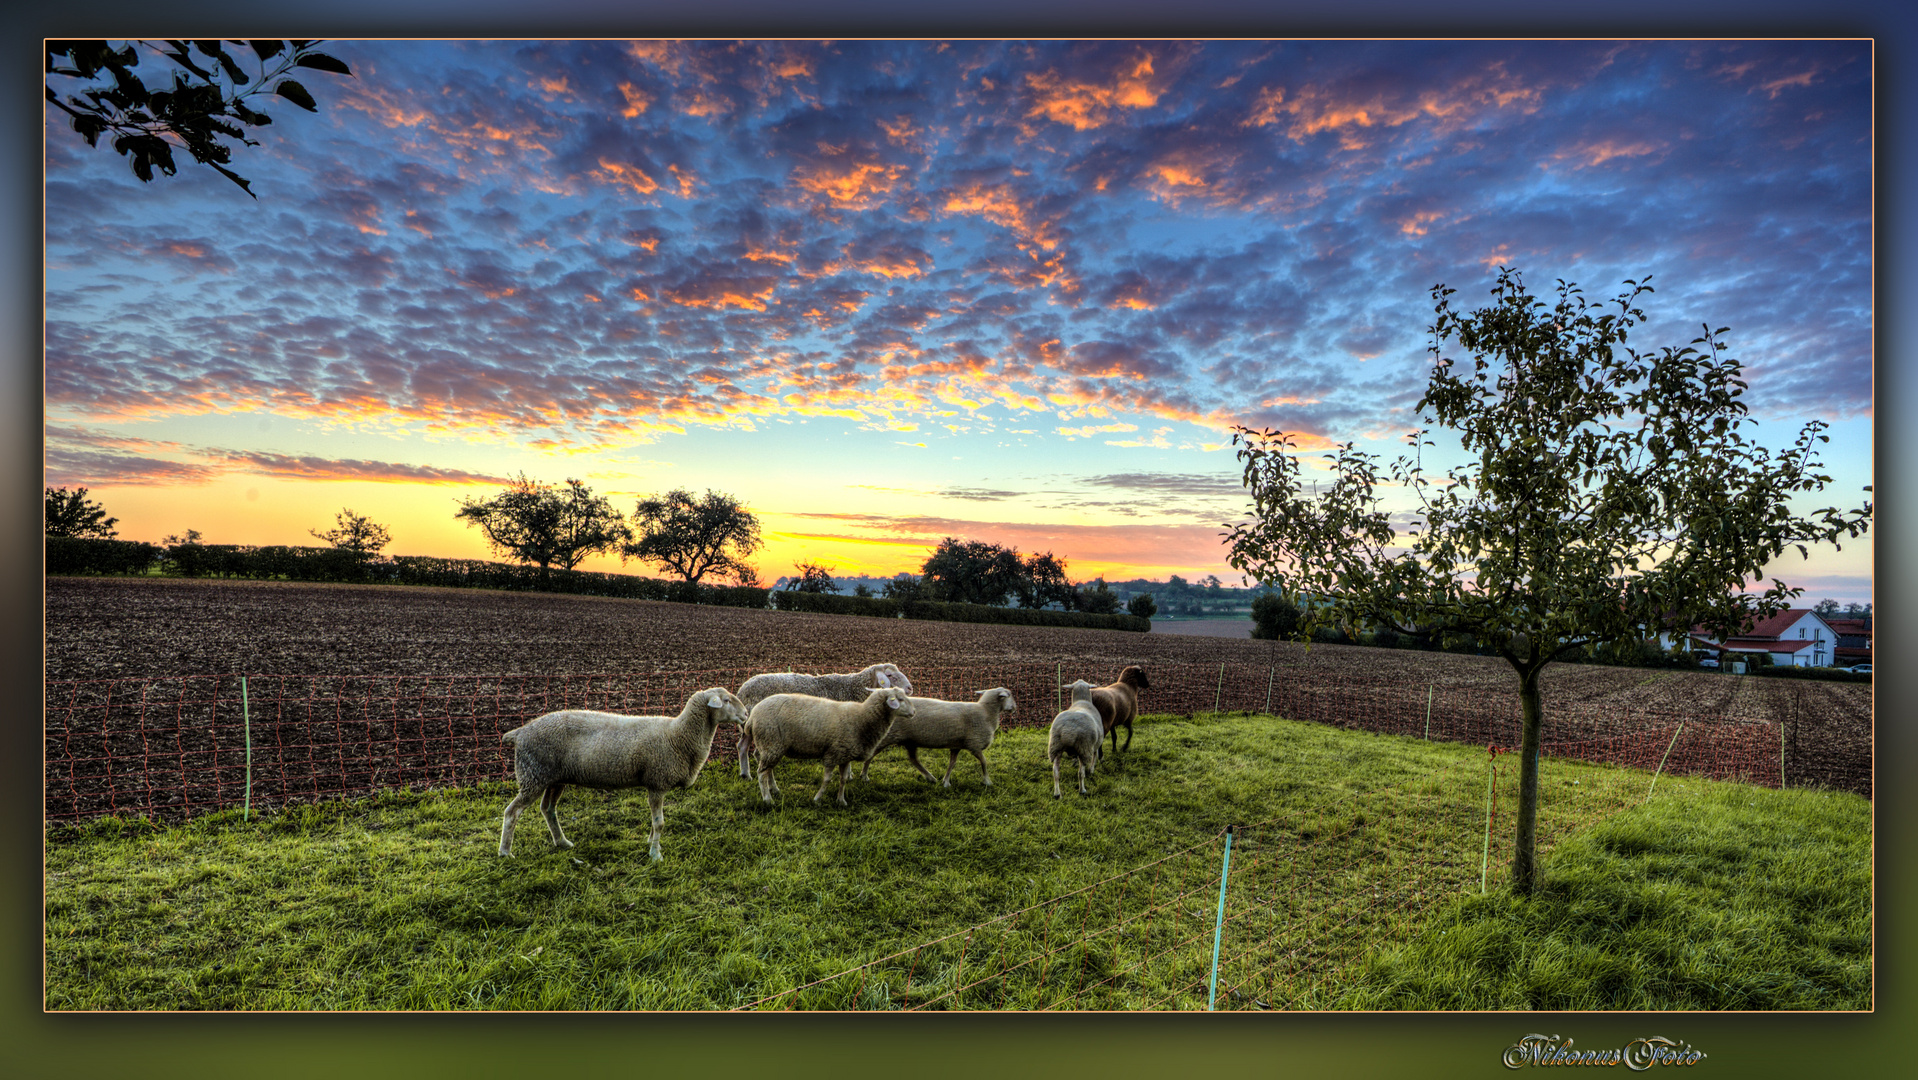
[658, 799]
[912, 755]
[1128, 737]
[984, 773]
[952, 759]
[511, 818]
[1082, 776]
[549, 805]
[1055, 776]
[825, 778]
[767, 785]
[845, 774]
[745, 754]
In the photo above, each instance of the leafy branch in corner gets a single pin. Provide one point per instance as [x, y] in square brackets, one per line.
[206, 101]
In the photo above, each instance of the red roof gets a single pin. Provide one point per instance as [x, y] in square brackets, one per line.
[1858, 627]
[1777, 624]
[1758, 644]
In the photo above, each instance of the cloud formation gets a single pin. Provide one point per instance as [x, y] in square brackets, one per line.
[591, 244]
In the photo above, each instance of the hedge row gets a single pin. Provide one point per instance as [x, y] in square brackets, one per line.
[883, 608]
[66, 555]
[1780, 671]
[835, 604]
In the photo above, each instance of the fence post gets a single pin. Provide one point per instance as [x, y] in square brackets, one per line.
[1058, 672]
[246, 725]
[1269, 672]
[1218, 925]
[1485, 860]
[1219, 694]
[1661, 761]
[1428, 712]
[1781, 755]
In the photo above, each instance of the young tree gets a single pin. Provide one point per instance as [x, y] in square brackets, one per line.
[71, 513]
[694, 537]
[1275, 617]
[1143, 606]
[1608, 494]
[905, 587]
[537, 523]
[1042, 581]
[971, 572]
[812, 577]
[202, 101]
[1825, 608]
[355, 533]
[1098, 598]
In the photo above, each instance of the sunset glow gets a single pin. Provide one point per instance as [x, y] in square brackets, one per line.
[886, 292]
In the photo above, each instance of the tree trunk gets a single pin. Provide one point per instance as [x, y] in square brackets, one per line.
[1525, 853]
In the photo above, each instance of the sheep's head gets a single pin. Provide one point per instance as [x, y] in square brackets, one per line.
[1081, 690]
[1134, 676]
[898, 702]
[726, 703]
[1004, 695]
[889, 675]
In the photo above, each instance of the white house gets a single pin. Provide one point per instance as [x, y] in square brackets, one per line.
[1795, 637]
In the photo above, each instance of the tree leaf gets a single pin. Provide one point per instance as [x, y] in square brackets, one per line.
[295, 93]
[266, 50]
[323, 62]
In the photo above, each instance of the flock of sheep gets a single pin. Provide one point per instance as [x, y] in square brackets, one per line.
[835, 719]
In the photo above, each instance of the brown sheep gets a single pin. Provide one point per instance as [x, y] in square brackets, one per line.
[1118, 703]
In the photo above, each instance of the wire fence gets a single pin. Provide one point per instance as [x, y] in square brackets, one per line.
[1273, 915]
[172, 748]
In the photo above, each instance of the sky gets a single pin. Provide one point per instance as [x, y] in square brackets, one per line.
[885, 292]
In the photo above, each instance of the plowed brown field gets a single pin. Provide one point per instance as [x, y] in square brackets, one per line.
[118, 628]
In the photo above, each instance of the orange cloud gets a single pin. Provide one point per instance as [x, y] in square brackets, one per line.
[636, 100]
[631, 176]
[1083, 105]
[852, 185]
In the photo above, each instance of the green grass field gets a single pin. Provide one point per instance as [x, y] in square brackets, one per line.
[1355, 884]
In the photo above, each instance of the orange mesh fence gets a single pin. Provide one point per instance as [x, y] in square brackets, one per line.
[175, 747]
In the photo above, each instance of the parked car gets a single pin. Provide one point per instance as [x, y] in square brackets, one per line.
[1708, 661]
[1859, 669]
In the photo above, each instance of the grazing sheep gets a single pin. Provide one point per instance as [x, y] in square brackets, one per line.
[1076, 733]
[951, 726]
[1118, 703]
[851, 686]
[837, 732]
[606, 750]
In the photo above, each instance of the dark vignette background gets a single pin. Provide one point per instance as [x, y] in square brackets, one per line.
[36, 1044]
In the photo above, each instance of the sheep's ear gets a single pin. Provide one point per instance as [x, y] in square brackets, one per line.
[892, 702]
[715, 699]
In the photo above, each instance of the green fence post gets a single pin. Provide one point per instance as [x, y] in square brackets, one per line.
[246, 724]
[1058, 672]
[1218, 925]
[1219, 694]
[1663, 760]
[1269, 673]
[1428, 712]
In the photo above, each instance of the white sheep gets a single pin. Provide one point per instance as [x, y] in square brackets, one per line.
[606, 750]
[948, 725]
[1077, 732]
[850, 686]
[836, 732]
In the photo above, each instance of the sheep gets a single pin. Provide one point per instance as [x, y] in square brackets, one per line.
[606, 750]
[851, 686]
[1076, 732]
[837, 732]
[1118, 703]
[948, 725]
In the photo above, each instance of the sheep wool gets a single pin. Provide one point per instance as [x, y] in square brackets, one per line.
[837, 733]
[849, 686]
[607, 750]
[951, 726]
[1076, 733]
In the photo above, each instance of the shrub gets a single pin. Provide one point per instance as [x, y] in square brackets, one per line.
[1818, 674]
[1276, 617]
[86, 555]
[835, 604]
[982, 613]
